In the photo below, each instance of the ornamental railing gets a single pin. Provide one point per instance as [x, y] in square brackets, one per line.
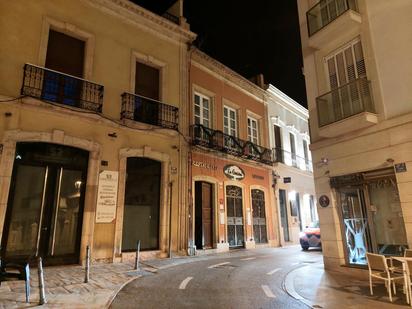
[226, 143]
[292, 159]
[326, 11]
[346, 101]
[142, 109]
[53, 86]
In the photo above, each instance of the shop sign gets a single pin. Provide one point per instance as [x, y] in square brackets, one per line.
[234, 172]
[400, 167]
[107, 196]
[204, 165]
[287, 179]
[324, 201]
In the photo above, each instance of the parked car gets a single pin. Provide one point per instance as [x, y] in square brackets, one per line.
[310, 236]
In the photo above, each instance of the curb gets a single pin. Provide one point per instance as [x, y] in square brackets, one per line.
[289, 287]
[114, 294]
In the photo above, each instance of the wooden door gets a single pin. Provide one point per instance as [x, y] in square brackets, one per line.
[207, 215]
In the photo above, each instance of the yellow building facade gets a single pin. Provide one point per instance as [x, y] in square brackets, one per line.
[357, 66]
[93, 101]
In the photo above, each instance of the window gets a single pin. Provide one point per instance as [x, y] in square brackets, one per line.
[202, 110]
[147, 81]
[292, 149]
[230, 121]
[306, 154]
[252, 130]
[345, 65]
[65, 54]
[278, 144]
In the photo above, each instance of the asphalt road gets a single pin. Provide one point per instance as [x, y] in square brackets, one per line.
[239, 279]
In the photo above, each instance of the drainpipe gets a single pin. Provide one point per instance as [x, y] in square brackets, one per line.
[170, 218]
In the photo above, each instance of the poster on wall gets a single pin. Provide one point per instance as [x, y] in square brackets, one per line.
[107, 196]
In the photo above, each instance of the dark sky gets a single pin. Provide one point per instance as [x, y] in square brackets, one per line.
[250, 37]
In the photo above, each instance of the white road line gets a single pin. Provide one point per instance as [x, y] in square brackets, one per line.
[248, 259]
[273, 271]
[267, 291]
[184, 283]
[217, 265]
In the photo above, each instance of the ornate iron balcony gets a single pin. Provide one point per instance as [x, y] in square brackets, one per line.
[142, 109]
[61, 88]
[222, 142]
[326, 11]
[348, 100]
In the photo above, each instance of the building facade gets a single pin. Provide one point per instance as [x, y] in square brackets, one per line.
[93, 102]
[230, 162]
[289, 141]
[357, 66]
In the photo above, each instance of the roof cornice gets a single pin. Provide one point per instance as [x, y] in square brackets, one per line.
[228, 74]
[288, 101]
[145, 18]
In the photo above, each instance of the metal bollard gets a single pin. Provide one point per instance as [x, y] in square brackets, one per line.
[42, 293]
[136, 261]
[87, 269]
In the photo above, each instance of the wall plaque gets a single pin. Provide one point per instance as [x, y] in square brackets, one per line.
[287, 179]
[400, 167]
[107, 196]
[233, 172]
[324, 201]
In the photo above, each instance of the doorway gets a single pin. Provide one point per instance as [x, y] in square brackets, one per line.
[234, 204]
[141, 204]
[259, 216]
[203, 215]
[45, 206]
[284, 214]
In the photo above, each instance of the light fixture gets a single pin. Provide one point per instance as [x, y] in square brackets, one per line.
[77, 184]
[292, 195]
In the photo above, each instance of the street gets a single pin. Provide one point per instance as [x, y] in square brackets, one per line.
[239, 279]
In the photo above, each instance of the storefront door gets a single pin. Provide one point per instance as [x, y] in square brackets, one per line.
[259, 216]
[284, 214]
[234, 204]
[45, 207]
[203, 215]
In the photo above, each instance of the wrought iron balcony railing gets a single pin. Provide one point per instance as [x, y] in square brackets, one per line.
[222, 142]
[348, 100]
[286, 157]
[326, 11]
[142, 109]
[53, 86]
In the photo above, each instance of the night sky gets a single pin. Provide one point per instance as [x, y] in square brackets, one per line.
[249, 37]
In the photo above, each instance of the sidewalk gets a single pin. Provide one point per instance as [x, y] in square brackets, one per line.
[315, 287]
[65, 287]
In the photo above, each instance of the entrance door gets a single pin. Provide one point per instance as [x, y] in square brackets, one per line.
[259, 216]
[142, 205]
[284, 214]
[234, 204]
[45, 208]
[203, 215]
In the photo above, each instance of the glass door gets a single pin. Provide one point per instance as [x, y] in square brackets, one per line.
[234, 204]
[259, 216]
[284, 214]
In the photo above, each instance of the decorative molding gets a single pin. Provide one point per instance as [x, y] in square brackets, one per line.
[222, 72]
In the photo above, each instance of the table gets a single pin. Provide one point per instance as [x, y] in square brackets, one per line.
[404, 261]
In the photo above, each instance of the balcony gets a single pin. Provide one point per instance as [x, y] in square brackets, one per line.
[286, 157]
[225, 143]
[343, 13]
[345, 109]
[52, 86]
[142, 109]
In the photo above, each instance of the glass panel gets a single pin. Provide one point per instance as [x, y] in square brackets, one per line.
[389, 226]
[66, 214]
[25, 210]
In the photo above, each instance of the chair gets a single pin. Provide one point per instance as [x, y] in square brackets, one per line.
[10, 271]
[407, 253]
[378, 269]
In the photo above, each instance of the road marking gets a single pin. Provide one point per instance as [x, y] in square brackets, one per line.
[248, 259]
[267, 291]
[273, 271]
[293, 264]
[184, 283]
[217, 265]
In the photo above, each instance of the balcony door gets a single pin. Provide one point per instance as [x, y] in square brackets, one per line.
[65, 54]
[45, 207]
[230, 127]
[202, 115]
[278, 144]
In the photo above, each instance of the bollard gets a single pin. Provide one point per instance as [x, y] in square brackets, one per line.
[42, 293]
[87, 269]
[136, 261]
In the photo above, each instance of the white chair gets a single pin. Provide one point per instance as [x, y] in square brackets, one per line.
[378, 269]
[408, 281]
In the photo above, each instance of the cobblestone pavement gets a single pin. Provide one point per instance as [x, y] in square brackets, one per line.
[65, 287]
